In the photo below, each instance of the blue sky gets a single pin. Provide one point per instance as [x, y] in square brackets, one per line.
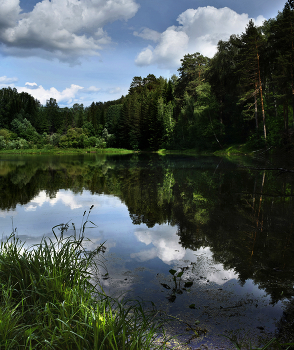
[79, 51]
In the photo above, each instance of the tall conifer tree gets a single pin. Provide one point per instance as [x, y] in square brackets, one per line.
[251, 45]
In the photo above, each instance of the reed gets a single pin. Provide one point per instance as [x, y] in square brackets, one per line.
[48, 300]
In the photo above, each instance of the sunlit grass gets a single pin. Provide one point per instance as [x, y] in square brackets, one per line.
[240, 149]
[48, 300]
[66, 151]
[191, 152]
[115, 150]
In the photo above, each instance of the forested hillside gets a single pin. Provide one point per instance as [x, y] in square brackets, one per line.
[244, 94]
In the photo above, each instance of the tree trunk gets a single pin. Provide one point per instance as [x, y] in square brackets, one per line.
[255, 106]
[286, 119]
[261, 97]
[292, 75]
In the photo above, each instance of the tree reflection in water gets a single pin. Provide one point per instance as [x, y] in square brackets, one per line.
[245, 216]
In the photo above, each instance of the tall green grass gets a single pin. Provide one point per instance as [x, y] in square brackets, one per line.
[48, 300]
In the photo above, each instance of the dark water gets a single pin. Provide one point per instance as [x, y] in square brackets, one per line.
[226, 224]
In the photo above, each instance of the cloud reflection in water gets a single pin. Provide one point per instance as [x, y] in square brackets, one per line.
[164, 244]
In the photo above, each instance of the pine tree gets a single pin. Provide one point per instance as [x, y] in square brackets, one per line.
[53, 116]
[191, 74]
[281, 46]
[251, 45]
[134, 122]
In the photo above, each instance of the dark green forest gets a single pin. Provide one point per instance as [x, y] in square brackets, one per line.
[243, 95]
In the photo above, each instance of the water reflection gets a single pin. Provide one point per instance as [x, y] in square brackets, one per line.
[165, 244]
[66, 197]
[230, 229]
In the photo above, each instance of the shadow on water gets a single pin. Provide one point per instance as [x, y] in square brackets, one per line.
[208, 240]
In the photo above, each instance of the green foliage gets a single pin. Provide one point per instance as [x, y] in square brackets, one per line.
[255, 141]
[6, 134]
[17, 144]
[165, 113]
[113, 117]
[100, 142]
[52, 115]
[12, 103]
[108, 139]
[24, 129]
[5, 137]
[89, 129]
[192, 72]
[74, 138]
[2, 143]
[243, 93]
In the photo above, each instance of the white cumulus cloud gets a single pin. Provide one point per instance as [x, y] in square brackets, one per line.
[31, 84]
[148, 34]
[65, 96]
[199, 30]
[115, 90]
[93, 89]
[6, 80]
[63, 28]
[9, 13]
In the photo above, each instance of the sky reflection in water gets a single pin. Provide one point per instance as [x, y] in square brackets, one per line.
[136, 255]
[115, 228]
[139, 257]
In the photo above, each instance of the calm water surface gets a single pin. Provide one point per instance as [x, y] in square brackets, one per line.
[226, 224]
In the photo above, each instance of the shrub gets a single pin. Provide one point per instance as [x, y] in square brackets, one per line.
[6, 134]
[100, 143]
[2, 142]
[17, 144]
[93, 141]
[24, 129]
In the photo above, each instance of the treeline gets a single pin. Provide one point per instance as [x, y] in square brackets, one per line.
[244, 94]
[25, 123]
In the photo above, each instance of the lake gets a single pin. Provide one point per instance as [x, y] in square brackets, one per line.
[208, 240]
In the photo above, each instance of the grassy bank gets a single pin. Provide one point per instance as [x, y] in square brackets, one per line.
[235, 150]
[67, 151]
[189, 152]
[232, 150]
[48, 301]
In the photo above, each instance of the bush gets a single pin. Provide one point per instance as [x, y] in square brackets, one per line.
[93, 141]
[24, 129]
[2, 142]
[54, 139]
[17, 144]
[100, 143]
[6, 134]
[74, 138]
